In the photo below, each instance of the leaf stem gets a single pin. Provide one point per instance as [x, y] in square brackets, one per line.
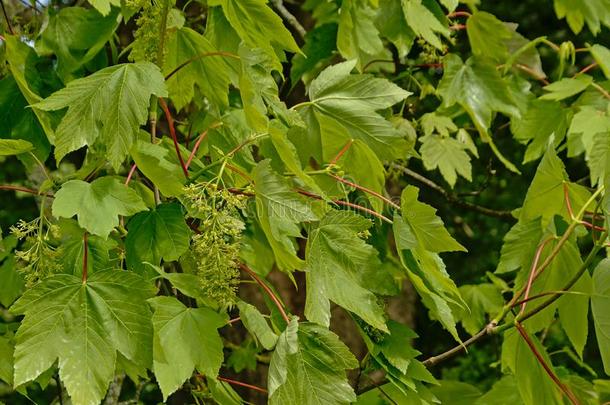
[242, 384]
[25, 190]
[564, 389]
[85, 256]
[268, 290]
[172, 132]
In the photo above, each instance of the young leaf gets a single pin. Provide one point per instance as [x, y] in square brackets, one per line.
[601, 54]
[576, 12]
[155, 235]
[185, 339]
[105, 108]
[335, 244]
[423, 22]
[482, 299]
[158, 164]
[566, 87]
[357, 36]
[104, 6]
[308, 367]
[97, 205]
[84, 325]
[448, 155]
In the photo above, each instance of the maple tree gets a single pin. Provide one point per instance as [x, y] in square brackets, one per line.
[229, 196]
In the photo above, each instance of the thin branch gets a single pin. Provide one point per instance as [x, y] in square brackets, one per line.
[432, 361]
[344, 149]
[348, 204]
[242, 384]
[586, 69]
[366, 190]
[290, 18]
[601, 90]
[546, 367]
[172, 132]
[459, 14]
[532, 73]
[533, 272]
[25, 190]
[452, 198]
[268, 290]
[8, 22]
[130, 175]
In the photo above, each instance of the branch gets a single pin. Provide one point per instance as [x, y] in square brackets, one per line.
[265, 287]
[452, 198]
[290, 18]
[25, 190]
[8, 22]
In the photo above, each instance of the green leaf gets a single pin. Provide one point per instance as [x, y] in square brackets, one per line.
[600, 307]
[105, 108]
[424, 22]
[594, 12]
[520, 245]
[344, 106]
[97, 205]
[456, 393]
[319, 46]
[158, 164]
[599, 159]
[544, 122]
[73, 250]
[256, 324]
[482, 299]
[76, 35]
[428, 229]
[337, 262]
[357, 36]
[448, 155]
[10, 147]
[488, 36]
[392, 25]
[546, 196]
[84, 325]
[601, 54]
[6, 360]
[503, 392]
[566, 87]
[104, 6]
[185, 339]
[12, 282]
[280, 210]
[480, 90]
[535, 385]
[258, 26]
[21, 59]
[19, 122]
[205, 68]
[585, 125]
[158, 234]
[308, 367]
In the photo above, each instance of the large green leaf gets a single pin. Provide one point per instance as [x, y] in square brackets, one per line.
[308, 367]
[105, 108]
[566, 87]
[205, 67]
[185, 339]
[337, 262]
[157, 234]
[76, 35]
[343, 106]
[83, 325]
[258, 26]
[97, 205]
[392, 25]
[280, 210]
[424, 22]
[600, 306]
